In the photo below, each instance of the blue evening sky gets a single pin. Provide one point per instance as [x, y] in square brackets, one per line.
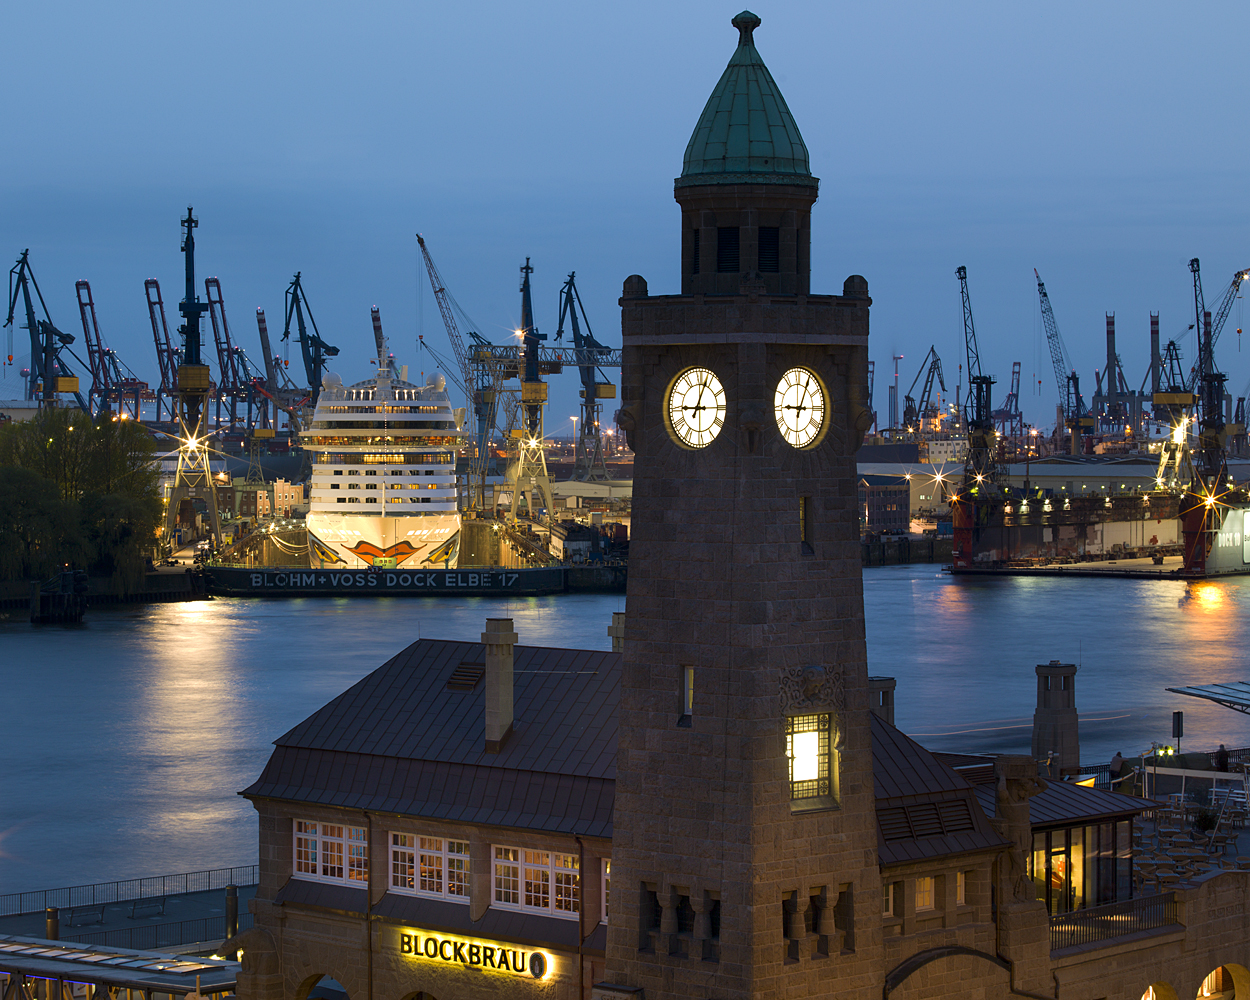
[1104, 144]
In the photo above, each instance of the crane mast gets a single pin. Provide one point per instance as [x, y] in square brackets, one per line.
[481, 381]
[588, 463]
[977, 408]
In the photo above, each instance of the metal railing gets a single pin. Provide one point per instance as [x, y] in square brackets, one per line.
[154, 937]
[127, 889]
[1102, 923]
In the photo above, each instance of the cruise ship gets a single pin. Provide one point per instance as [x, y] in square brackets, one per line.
[383, 491]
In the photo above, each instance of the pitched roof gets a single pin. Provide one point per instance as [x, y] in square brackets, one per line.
[746, 127]
[1067, 804]
[401, 741]
[924, 809]
[564, 706]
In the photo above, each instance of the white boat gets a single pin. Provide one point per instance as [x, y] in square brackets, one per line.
[383, 491]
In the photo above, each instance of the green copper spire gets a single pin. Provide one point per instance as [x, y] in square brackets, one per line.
[746, 133]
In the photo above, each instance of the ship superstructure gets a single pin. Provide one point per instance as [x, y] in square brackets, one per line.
[383, 490]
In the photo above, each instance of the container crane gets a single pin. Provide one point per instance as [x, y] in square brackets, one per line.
[49, 374]
[167, 356]
[278, 387]
[588, 463]
[314, 349]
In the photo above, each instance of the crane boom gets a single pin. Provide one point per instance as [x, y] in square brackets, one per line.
[970, 330]
[449, 317]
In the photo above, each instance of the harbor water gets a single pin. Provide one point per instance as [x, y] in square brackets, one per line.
[129, 737]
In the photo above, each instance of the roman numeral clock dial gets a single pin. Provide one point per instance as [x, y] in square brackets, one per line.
[694, 408]
[799, 405]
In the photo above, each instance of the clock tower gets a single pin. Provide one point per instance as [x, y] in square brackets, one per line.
[744, 845]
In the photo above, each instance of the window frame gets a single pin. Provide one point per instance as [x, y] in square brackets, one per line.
[605, 887]
[961, 888]
[349, 852]
[926, 889]
[820, 792]
[418, 849]
[523, 861]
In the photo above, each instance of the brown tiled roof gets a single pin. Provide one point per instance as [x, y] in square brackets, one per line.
[1067, 804]
[924, 809]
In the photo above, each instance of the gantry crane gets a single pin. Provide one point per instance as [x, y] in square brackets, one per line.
[193, 479]
[314, 349]
[588, 463]
[232, 383]
[49, 374]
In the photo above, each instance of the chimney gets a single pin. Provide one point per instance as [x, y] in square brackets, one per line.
[881, 697]
[617, 631]
[499, 639]
[1055, 723]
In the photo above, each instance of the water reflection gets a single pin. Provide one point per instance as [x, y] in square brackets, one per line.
[141, 726]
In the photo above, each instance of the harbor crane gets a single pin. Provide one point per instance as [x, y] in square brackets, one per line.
[969, 511]
[588, 463]
[233, 382]
[1008, 419]
[193, 478]
[1067, 382]
[281, 390]
[480, 380]
[168, 357]
[49, 374]
[1217, 320]
[528, 470]
[915, 414]
[977, 407]
[314, 349]
[109, 385]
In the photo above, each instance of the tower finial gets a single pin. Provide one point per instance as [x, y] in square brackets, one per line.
[746, 23]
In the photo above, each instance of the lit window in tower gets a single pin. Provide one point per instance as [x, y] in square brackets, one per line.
[807, 747]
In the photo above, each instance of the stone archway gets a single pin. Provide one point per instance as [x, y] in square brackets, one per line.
[1227, 982]
[1159, 991]
[916, 977]
[319, 986]
[419, 995]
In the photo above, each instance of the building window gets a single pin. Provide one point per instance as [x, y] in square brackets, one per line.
[328, 852]
[696, 247]
[606, 885]
[887, 899]
[924, 893]
[430, 866]
[805, 523]
[769, 249]
[961, 888]
[807, 747]
[687, 696]
[727, 240]
[537, 880]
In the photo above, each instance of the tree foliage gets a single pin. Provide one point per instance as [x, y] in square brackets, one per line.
[78, 492]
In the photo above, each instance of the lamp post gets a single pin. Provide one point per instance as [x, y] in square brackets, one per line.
[1028, 455]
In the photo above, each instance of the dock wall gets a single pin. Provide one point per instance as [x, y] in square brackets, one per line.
[156, 588]
[893, 551]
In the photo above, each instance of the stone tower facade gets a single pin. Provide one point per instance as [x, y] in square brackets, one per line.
[744, 847]
[1056, 732]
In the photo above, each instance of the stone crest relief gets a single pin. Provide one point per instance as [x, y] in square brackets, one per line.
[815, 689]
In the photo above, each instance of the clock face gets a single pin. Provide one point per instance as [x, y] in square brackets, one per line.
[800, 407]
[695, 408]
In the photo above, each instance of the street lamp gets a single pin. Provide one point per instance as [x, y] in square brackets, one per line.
[574, 432]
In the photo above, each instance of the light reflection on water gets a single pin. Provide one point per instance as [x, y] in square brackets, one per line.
[128, 738]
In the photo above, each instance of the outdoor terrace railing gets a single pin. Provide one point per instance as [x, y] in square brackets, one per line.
[154, 937]
[1102, 923]
[126, 889]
